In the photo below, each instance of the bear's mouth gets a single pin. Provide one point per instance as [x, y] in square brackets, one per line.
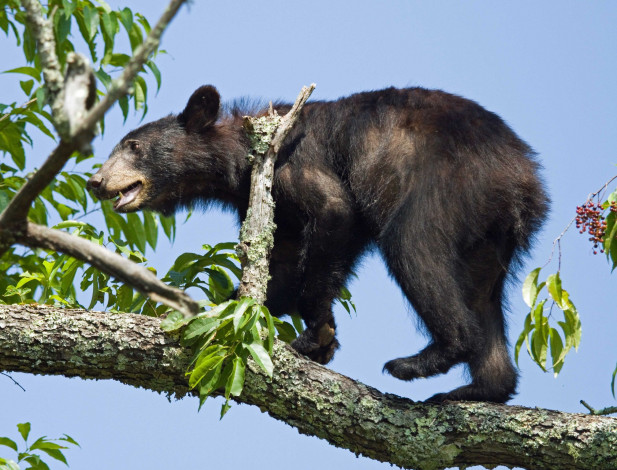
[127, 195]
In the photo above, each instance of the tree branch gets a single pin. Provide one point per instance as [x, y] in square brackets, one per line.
[52, 72]
[290, 119]
[257, 232]
[315, 400]
[39, 236]
[121, 85]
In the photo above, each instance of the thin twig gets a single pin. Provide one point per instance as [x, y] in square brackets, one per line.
[288, 121]
[603, 412]
[14, 381]
[557, 241]
[257, 232]
[23, 107]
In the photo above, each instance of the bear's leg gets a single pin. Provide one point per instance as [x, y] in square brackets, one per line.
[332, 245]
[459, 301]
[425, 268]
[285, 274]
[492, 372]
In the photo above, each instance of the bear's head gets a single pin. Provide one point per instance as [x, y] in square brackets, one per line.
[166, 163]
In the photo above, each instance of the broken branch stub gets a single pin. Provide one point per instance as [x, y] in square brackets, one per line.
[266, 134]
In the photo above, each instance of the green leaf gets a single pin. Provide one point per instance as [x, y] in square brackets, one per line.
[125, 298]
[613, 381]
[557, 351]
[169, 226]
[528, 328]
[574, 323]
[173, 321]
[296, 320]
[31, 71]
[141, 91]
[91, 21]
[34, 120]
[119, 60]
[24, 430]
[286, 332]
[156, 72]
[610, 236]
[68, 7]
[6, 464]
[200, 326]
[553, 283]
[5, 441]
[124, 106]
[56, 454]
[235, 383]
[135, 36]
[206, 363]
[36, 463]
[185, 260]
[62, 27]
[126, 18]
[109, 24]
[271, 328]
[135, 232]
[208, 383]
[261, 357]
[29, 45]
[144, 22]
[530, 287]
[26, 86]
[225, 408]
[151, 228]
[242, 305]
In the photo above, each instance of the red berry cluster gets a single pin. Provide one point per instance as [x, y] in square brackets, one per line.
[590, 218]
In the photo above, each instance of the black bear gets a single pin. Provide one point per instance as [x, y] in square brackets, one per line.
[442, 187]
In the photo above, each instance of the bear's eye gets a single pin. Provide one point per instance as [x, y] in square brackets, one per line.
[134, 146]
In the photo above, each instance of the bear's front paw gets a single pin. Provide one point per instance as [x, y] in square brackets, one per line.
[318, 345]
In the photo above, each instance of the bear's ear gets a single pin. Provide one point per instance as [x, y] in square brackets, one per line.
[202, 109]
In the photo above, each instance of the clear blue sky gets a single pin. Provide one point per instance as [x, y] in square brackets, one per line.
[548, 68]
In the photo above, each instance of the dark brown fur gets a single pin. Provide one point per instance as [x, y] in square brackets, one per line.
[442, 187]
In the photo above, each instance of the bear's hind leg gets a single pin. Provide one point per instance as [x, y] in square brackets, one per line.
[426, 269]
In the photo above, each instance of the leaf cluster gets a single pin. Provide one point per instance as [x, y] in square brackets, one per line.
[610, 232]
[32, 455]
[539, 332]
[222, 340]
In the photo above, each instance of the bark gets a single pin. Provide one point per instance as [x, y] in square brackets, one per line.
[133, 350]
[257, 233]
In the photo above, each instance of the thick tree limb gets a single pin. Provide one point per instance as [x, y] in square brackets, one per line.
[133, 350]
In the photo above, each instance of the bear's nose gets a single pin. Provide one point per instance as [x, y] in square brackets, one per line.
[94, 182]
